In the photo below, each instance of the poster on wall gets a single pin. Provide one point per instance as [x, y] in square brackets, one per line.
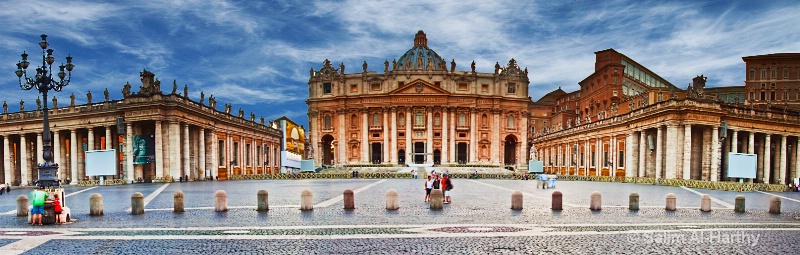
[143, 149]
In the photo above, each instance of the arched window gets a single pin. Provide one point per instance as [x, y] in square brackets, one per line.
[419, 120]
[376, 119]
[462, 119]
[328, 122]
[436, 121]
[353, 121]
[484, 120]
[510, 122]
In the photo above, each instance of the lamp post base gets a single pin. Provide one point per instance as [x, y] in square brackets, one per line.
[48, 176]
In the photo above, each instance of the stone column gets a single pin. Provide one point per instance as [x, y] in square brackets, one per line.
[393, 150]
[767, 158]
[108, 138]
[783, 161]
[7, 160]
[409, 158]
[229, 153]
[159, 150]
[630, 140]
[429, 135]
[185, 151]
[365, 136]
[342, 141]
[672, 150]
[797, 159]
[215, 154]
[659, 151]
[612, 155]
[202, 154]
[174, 149]
[39, 148]
[587, 157]
[453, 125]
[687, 152]
[715, 154]
[23, 159]
[445, 143]
[73, 156]
[642, 152]
[386, 132]
[735, 142]
[129, 172]
[473, 132]
[90, 139]
[523, 150]
[57, 155]
[495, 129]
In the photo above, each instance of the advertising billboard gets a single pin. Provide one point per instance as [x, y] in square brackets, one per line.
[295, 138]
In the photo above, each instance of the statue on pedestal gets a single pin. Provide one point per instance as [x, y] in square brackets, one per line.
[174, 86]
[126, 89]
[89, 97]
[186, 90]
[202, 97]
[105, 94]
[533, 156]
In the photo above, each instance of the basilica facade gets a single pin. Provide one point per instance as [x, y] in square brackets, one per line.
[419, 109]
[155, 135]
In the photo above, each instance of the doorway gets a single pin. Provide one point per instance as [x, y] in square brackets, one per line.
[419, 153]
[461, 153]
[510, 150]
[376, 153]
[327, 150]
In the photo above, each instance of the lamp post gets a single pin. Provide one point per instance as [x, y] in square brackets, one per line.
[44, 82]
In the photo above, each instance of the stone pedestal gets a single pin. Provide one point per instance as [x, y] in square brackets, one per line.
[220, 201]
[137, 203]
[437, 200]
[671, 203]
[557, 201]
[739, 204]
[705, 203]
[262, 201]
[178, 202]
[306, 200]
[349, 200]
[775, 205]
[391, 200]
[516, 200]
[23, 206]
[95, 205]
[596, 202]
[633, 202]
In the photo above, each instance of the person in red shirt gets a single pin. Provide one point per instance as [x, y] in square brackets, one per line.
[57, 208]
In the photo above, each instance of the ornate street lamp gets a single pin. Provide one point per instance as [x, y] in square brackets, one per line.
[44, 82]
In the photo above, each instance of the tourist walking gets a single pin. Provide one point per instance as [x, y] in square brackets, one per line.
[553, 178]
[448, 183]
[543, 180]
[414, 173]
[428, 188]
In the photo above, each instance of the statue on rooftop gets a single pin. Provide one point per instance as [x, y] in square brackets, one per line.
[386, 66]
[341, 68]
[38, 103]
[186, 90]
[364, 66]
[5, 107]
[174, 86]
[55, 102]
[89, 97]
[126, 89]
[473, 66]
[21, 106]
[202, 97]
[72, 99]
[453, 65]
[105, 93]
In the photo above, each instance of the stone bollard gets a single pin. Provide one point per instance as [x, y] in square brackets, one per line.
[739, 204]
[95, 205]
[671, 202]
[306, 200]
[437, 200]
[705, 203]
[177, 204]
[137, 203]
[557, 201]
[263, 201]
[633, 201]
[349, 200]
[596, 202]
[775, 205]
[516, 200]
[23, 206]
[391, 200]
[220, 201]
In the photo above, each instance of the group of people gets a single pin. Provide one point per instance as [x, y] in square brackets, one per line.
[438, 181]
[38, 198]
[793, 187]
[546, 181]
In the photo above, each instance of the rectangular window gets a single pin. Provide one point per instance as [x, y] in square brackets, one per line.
[247, 154]
[773, 73]
[438, 84]
[605, 159]
[752, 74]
[621, 159]
[221, 153]
[785, 73]
[266, 156]
[484, 87]
[763, 74]
[583, 159]
[353, 88]
[785, 95]
[258, 155]
[376, 86]
[326, 88]
[752, 96]
[512, 88]
[402, 134]
[772, 95]
[235, 154]
[763, 95]
[462, 86]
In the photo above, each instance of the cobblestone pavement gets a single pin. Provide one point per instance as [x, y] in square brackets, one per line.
[478, 221]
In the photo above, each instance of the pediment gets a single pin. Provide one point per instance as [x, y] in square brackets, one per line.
[419, 87]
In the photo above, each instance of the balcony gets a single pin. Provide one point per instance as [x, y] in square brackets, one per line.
[417, 127]
[375, 128]
[328, 129]
[462, 128]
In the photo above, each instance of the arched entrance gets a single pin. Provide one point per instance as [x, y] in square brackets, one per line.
[327, 150]
[401, 157]
[510, 150]
[437, 157]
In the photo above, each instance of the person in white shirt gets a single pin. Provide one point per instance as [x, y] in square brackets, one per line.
[428, 188]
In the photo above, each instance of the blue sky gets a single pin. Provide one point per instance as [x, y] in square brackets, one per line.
[256, 54]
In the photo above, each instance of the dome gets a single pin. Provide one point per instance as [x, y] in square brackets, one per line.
[420, 57]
